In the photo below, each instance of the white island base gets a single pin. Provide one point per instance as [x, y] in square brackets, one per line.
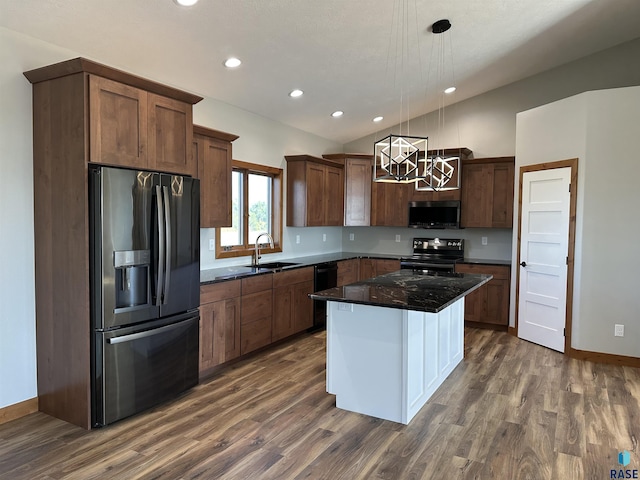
[387, 362]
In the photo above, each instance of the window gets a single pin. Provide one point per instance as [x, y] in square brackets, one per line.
[256, 208]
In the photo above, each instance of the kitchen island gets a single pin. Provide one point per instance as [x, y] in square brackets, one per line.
[392, 340]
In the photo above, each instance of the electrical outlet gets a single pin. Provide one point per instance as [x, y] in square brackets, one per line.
[345, 307]
[398, 238]
[297, 238]
[324, 237]
[484, 240]
[212, 244]
[618, 330]
[352, 236]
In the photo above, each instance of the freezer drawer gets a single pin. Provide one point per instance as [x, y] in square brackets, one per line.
[137, 368]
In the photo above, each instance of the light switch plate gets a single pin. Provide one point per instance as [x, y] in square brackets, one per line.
[212, 244]
[352, 236]
[324, 237]
[297, 238]
[397, 238]
[484, 240]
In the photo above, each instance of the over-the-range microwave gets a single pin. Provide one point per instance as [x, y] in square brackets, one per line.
[442, 214]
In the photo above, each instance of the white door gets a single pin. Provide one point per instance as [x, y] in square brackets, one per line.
[544, 245]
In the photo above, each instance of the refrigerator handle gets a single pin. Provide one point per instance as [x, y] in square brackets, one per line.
[161, 246]
[167, 266]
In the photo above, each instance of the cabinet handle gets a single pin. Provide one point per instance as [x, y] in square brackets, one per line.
[523, 264]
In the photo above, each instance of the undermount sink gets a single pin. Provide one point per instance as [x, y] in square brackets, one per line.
[272, 265]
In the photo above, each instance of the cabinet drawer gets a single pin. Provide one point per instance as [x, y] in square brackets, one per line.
[255, 306]
[257, 283]
[215, 292]
[499, 272]
[291, 277]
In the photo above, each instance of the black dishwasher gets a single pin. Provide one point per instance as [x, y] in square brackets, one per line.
[326, 276]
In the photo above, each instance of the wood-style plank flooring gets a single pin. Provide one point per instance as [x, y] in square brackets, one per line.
[511, 410]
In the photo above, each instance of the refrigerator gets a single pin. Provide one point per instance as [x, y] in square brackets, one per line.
[145, 286]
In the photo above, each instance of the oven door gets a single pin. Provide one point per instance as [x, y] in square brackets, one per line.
[139, 368]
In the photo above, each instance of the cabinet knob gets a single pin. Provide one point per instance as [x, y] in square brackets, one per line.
[523, 264]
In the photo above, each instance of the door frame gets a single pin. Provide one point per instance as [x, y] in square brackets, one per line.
[573, 195]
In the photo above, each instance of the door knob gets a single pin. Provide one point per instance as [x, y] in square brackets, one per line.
[523, 264]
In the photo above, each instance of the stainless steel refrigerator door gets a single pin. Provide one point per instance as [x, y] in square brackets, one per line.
[181, 276]
[144, 367]
[124, 268]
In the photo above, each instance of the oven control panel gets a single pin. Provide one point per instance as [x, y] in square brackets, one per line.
[422, 244]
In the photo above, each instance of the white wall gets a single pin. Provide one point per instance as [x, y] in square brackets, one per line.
[261, 141]
[266, 142]
[487, 122]
[601, 129]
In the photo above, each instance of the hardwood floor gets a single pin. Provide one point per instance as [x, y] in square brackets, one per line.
[511, 410]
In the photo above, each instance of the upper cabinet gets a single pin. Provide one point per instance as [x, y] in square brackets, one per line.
[442, 195]
[389, 204]
[133, 122]
[357, 187]
[213, 156]
[487, 192]
[315, 191]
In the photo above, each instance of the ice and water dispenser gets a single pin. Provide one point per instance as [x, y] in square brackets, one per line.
[133, 278]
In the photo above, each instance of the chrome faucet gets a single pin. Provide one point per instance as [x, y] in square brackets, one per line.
[256, 257]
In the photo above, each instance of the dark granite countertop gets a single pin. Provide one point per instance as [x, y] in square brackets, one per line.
[486, 261]
[407, 290]
[222, 274]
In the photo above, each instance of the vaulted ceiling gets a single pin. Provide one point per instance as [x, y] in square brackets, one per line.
[344, 54]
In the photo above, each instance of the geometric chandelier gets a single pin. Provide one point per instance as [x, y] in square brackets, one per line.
[443, 173]
[400, 159]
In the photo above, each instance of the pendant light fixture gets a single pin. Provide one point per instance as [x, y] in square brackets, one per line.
[442, 171]
[400, 157]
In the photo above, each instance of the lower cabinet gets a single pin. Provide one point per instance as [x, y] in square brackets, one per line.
[219, 323]
[489, 304]
[255, 312]
[292, 307]
[348, 272]
[372, 267]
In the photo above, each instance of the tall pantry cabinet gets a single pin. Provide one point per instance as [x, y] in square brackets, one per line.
[87, 112]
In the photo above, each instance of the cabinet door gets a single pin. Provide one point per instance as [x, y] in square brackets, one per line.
[255, 324]
[219, 332]
[117, 123]
[389, 204]
[315, 194]
[348, 271]
[303, 306]
[386, 266]
[502, 201]
[170, 136]
[497, 302]
[357, 195]
[367, 268]
[489, 304]
[477, 190]
[283, 319]
[333, 196]
[213, 158]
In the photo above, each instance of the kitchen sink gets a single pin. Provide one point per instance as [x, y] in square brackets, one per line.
[272, 265]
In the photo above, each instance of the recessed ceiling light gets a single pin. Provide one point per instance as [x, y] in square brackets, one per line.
[378, 119]
[337, 113]
[231, 62]
[186, 3]
[450, 90]
[296, 93]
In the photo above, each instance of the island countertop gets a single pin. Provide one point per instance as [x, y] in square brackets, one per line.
[407, 290]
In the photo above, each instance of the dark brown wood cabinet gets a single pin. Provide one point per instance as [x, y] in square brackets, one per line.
[212, 152]
[443, 195]
[219, 324]
[389, 204]
[372, 267]
[348, 271]
[357, 187]
[71, 128]
[292, 308]
[315, 191]
[256, 312]
[489, 304]
[487, 192]
[132, 127]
